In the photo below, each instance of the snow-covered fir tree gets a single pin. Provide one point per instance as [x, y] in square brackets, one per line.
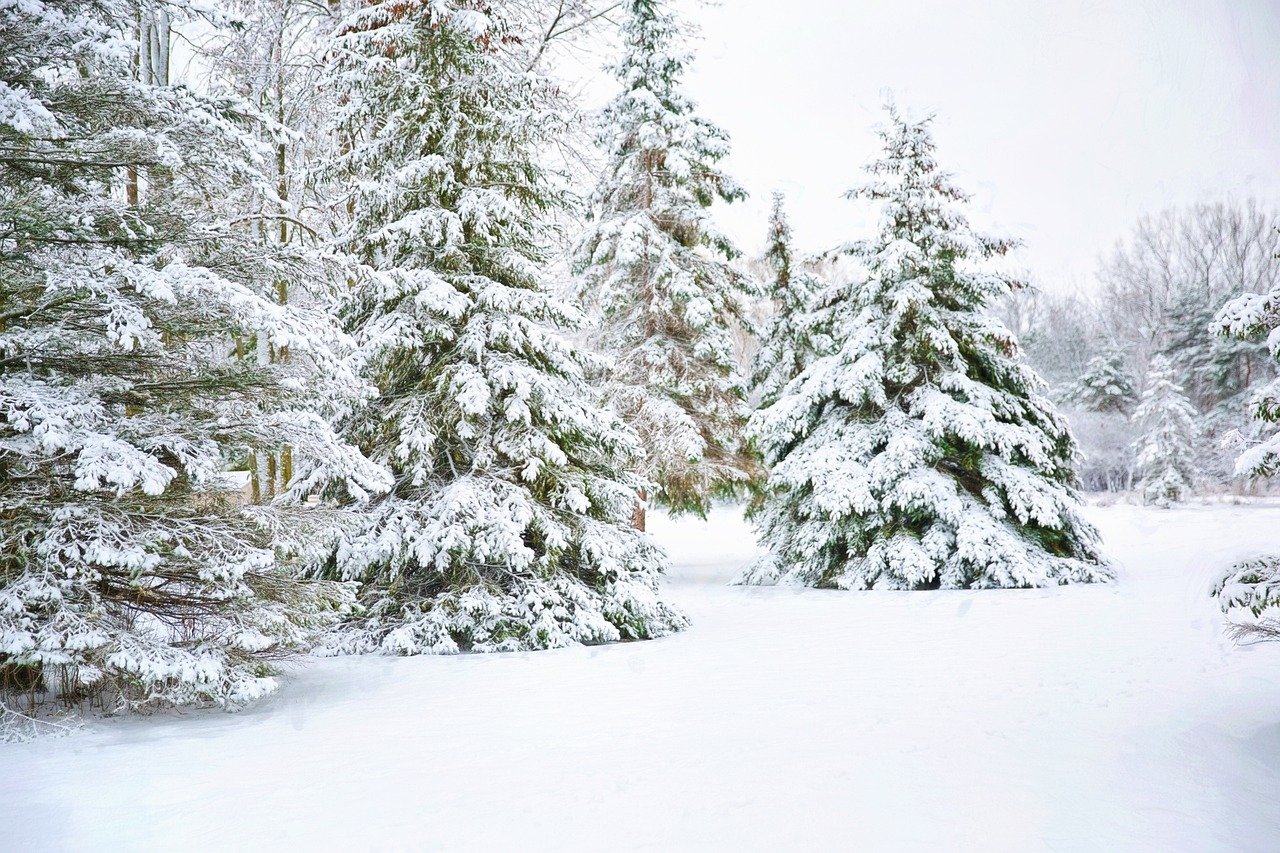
[657, 274]
[1106, 385]
[789, 340]
[128, 577]
[509, 524]
[920, 453]
[1165, 451]
[1250, 592]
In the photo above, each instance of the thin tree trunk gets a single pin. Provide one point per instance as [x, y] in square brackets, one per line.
[282, 286]
[255, 482]
[142, 68]
[286, 466]
[271, 476]
[160, 56]
[638, 514]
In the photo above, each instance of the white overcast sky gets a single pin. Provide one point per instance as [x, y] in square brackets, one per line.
[1066, 119]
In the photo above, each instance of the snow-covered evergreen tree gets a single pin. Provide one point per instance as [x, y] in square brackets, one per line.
[1165, 450]
[1106, 385]
[789, 340]
[1250, 593]
[920, 453]
[658, 275]
[127, 575]
[508, 527]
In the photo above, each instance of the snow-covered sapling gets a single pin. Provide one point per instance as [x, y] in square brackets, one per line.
[1165, 449]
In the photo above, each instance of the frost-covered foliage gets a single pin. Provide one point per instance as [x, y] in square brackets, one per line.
[1250, 596]
[657, 273]
[17, 727]
[1165, 450]
[270, 58]
[789, 340]
[1216, 370]
[920, 453]
[1250, 593]
[1257, 315]
[127, 576]
[508, 526]
[1106, 385]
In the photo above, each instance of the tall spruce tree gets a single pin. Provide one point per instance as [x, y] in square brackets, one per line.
[920, 453]
[1165, 450]
[509, 523]
[658, 275]
[789, 340]
[1250, 592]
[128, 576]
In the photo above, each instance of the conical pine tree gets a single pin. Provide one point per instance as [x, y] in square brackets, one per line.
[509, 524]
[789, 340]
[1106, 385]
[1165, 449]
[920, 454]
[657, 274]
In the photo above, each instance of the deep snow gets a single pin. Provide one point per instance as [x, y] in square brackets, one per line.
[1080, 718]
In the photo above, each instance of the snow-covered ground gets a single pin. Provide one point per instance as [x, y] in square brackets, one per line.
[1085, 718]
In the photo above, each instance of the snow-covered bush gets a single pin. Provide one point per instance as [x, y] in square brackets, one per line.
[657, 274]
[921, 452]
[1106, 385]
[1165, 450]
[509, 523]
[128, 577]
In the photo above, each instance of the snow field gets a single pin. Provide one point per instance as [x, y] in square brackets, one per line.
[1082, 718]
